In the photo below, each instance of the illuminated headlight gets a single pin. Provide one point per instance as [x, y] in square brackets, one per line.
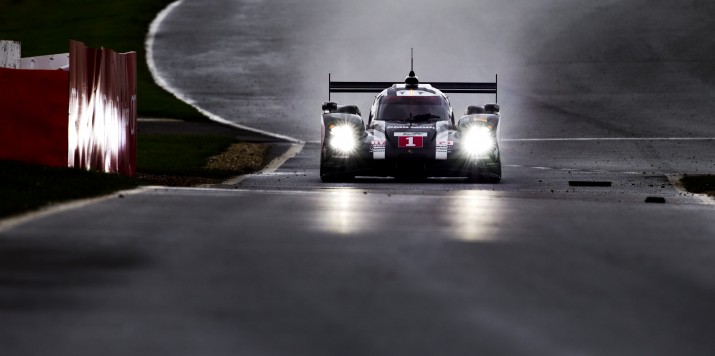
[342, 138]
[478, 142]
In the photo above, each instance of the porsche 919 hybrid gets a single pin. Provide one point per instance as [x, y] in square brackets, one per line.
[410, 133]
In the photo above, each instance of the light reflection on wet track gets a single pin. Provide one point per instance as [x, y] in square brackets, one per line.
[474, 215]
[469, 215]
[342, 212]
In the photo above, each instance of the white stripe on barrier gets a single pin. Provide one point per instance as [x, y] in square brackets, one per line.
[50, 62]
[10, 54]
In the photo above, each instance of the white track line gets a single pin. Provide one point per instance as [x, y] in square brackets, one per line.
[224, 191]
[9, 223]
[142, 119]
[272, 166]
[149, 47]
[609, 139]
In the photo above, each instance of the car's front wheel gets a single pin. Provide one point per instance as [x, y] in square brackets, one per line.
[333, 174]
[490, 173]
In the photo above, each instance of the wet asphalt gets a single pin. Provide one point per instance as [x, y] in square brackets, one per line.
[282, 264]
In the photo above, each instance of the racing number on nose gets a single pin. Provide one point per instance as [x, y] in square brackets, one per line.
[409, 141]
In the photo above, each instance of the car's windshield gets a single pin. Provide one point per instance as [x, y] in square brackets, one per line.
[412, 108]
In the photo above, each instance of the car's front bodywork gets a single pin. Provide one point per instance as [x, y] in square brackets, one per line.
[411, 133]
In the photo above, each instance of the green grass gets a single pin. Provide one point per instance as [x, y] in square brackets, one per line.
[180, 155]
[26, 187]
[45, 27]
[700, 184]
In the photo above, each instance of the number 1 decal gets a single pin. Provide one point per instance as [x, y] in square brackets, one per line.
[409, 141]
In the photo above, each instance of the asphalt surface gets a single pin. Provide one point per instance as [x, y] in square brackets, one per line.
[281, 264]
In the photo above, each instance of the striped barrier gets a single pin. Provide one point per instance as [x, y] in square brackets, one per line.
[85, 118]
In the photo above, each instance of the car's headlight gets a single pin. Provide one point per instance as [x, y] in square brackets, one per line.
[343, 138]
[478, 142]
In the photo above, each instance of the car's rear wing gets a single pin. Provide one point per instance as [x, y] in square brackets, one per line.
[445, 87]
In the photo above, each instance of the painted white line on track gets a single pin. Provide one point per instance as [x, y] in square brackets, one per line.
[12, 222]
[149, 47]
[608, 139]
[224, 191]
[154, 119]
[272, 166]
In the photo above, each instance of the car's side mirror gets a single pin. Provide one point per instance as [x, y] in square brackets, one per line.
[491, 108]
[329, 106]
[474, 109]
[349, 109]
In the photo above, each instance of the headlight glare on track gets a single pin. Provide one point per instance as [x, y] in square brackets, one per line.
[343, 139]
[478, 142]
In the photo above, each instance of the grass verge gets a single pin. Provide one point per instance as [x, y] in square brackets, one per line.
[45, 27]
[173, 160]
[189, 160]
[25, 187]
[704, 184]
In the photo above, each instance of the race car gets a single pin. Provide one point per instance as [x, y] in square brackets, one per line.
[410, 134]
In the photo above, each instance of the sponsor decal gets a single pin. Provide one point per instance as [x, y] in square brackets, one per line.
[419, 127]
[400, 134]
[377, 146]
[441, 152]
[443, 145]
[379, 142]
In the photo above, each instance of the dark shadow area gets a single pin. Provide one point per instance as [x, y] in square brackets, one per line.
[40, 275]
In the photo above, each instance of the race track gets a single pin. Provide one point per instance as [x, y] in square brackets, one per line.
[282, 264]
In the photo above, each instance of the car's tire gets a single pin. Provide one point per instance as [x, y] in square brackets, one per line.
[335, 178]
[491, 174]
[334, 174]
[484, 177]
